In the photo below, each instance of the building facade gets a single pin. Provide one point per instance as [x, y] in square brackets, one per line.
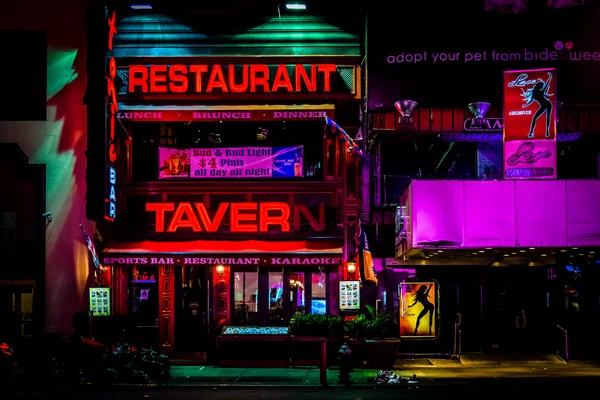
[497, 250]
[224, 190]
[43, 135]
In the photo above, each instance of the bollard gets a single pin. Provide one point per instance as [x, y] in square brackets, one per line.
[323, 367]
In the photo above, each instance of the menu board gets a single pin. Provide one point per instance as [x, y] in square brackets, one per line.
[349, 295]
[100, 302]
[231, 162]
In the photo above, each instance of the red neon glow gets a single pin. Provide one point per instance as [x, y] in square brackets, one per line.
[254, 78]
[158, 80]
[112, 29]
[179, 83]
[246, 217]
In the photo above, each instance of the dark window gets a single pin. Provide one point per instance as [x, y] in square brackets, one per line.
[23, 73]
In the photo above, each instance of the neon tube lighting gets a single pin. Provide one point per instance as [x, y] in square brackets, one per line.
[295, 6]
[141, 7]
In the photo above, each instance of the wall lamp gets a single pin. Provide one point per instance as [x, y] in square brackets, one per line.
[351, 268]
[220, 270]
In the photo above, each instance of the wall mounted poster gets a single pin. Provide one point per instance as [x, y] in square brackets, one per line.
[100, 302]
[418, 310]
[232, 162]
[349, 295]
[530, 105]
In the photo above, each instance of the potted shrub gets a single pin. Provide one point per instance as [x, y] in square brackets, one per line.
[382, 343]
[355, 331]
[306, 331]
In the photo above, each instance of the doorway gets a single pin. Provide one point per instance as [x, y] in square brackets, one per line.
[518, 315]
[469, 315]
[192, 318]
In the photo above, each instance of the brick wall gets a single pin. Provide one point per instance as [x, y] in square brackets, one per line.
[489, 160]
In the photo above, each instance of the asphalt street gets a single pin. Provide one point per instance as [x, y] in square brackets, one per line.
[524, 389]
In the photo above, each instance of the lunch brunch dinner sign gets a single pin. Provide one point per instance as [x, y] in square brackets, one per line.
[234, 162]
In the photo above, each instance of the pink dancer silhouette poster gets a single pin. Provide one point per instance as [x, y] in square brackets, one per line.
[530, 104]
[418, 307]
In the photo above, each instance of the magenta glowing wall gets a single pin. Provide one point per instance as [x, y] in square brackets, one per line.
[479, 214]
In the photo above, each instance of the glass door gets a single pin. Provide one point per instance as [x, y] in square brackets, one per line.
[143, 304]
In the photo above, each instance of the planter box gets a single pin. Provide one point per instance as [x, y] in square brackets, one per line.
[247, 351]
[359, 353]
[381, 354]
[306, 350]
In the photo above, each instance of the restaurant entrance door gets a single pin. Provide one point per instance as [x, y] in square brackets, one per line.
[192, 316]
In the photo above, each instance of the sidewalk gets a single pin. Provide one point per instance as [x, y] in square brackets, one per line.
[427, 371]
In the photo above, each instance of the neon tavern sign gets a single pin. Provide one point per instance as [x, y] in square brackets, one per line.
[244, 217]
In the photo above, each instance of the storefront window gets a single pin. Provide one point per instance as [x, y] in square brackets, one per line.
[297, 292]
[275, 297]
[319, 293]
[246, 297]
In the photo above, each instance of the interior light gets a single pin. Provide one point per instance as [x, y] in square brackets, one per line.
[141, 7]
[295, 6]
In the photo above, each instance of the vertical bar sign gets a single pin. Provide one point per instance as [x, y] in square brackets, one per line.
[112, 107]
[530, 124]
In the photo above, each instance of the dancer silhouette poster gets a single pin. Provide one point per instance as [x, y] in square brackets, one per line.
[418, 310]
[530, 105]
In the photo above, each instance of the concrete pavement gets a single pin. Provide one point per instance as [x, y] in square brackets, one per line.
[427, 371]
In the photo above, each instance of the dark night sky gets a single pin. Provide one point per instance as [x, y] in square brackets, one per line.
[437, 28]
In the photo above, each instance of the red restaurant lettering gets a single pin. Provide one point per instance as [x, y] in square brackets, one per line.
[247, 217]
[212, 78]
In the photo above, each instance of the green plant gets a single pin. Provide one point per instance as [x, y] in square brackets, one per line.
[381, 326]
[316, 325]
[371, 326]
[356, 328]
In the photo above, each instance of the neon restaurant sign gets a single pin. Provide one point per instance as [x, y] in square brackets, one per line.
[244, 217]
[235, 78]
[112, 106]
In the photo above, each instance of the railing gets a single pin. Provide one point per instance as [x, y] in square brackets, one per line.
[565, 344]
[457, 338]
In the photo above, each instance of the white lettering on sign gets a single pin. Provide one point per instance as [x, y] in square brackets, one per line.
[160, 260]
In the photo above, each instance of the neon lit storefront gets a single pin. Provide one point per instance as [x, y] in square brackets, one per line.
[230, 196]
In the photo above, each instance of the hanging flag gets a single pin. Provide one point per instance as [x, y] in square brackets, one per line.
[98, 270]
[367, 265]
[346, 139]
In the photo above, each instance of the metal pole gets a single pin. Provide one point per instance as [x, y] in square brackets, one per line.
[323, 367]
[455, 337]
[566, 346]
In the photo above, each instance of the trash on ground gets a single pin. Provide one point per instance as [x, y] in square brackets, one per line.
[390, 378]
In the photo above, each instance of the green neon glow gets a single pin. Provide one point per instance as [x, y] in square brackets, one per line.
[295, 6]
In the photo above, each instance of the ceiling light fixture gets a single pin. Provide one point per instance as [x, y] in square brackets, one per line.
[141, 7]
[295, 6]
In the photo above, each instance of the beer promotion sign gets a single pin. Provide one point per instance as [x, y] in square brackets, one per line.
[530, 104]
[418, 310]
[234, 162]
